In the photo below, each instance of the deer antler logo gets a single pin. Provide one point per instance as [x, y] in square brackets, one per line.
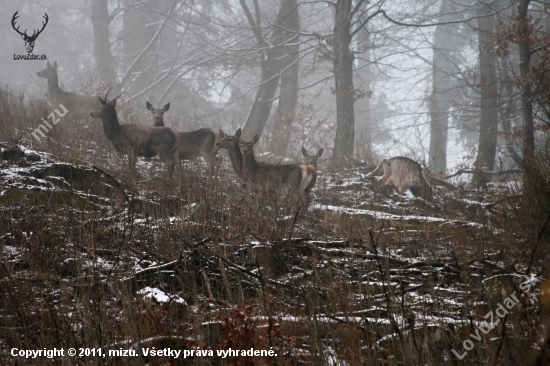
[29, 40]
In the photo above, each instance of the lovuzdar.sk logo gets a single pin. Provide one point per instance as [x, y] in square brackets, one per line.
[29, 40]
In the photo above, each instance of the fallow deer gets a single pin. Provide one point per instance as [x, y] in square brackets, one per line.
[286, 179]
[231, 144]
[403, 173]
[79, 106]
[312, 159]
[136, 140]
[191, 145]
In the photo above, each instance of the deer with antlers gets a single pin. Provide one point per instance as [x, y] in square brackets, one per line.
[29, 40]
[79, 106]
[135, 140]
[286, 179]
[191, 145]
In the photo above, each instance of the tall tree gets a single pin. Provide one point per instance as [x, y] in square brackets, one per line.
[363, 121]
[488, 94]
[102, 45]
[288, 91]
[270, 65]
[343, 81]
[529, 163]
[439, 100]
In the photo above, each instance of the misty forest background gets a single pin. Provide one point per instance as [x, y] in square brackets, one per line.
[95, 255]
[435, 81]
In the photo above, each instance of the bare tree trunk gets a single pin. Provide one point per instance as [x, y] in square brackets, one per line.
[439, 100]
[102, 45]
[489, 102]
[288, 92]
[343, 79]
[271, 68]
[529, 164]
[364, 123]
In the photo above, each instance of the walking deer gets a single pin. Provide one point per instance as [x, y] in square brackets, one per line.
[231, 144]
[136, 140]
[403, 173]
[79, 106]
[191, 145]
[286, 179]
[312, 159]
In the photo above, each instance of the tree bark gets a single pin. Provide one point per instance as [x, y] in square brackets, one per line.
[102, 45]
[529, 164]
[439, 100]
[288, 92]
[270, 68]
[364, 123]
[489, 99]
[343, 80]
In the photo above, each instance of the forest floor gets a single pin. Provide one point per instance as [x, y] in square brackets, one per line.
[95, 256]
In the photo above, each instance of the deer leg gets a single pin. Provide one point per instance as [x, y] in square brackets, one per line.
[132, 160]
[169, 161]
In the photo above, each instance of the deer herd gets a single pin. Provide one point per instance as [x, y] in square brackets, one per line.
[172, 146]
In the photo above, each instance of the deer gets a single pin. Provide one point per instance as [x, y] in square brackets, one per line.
[312, 159]
[29, 40]
[158, 114]
[403, 173]
[231, 144]
[79, 106]
[191, 145]
[287, 179]
[135, 140]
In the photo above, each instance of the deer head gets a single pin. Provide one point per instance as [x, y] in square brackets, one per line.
[50, 72]
[106, 107]
[158, 118]
[312, 159]
[247, 147]
[227, 141]
[29, 40]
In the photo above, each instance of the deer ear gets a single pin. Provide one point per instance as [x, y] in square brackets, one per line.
[55, 64]
[149, 106]
[113, 102]
[166, 107]
[238, 133]
[222, 134]
[101, 100]
[320, 152]
[48, 64]
[304, 152]
[255, 139]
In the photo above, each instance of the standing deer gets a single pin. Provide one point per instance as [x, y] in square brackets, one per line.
[29, 40]
[231, 144]
[191, 145]
[312, 159]
[136, 140]
[403, 173]
[79, 106]
[287, 179]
